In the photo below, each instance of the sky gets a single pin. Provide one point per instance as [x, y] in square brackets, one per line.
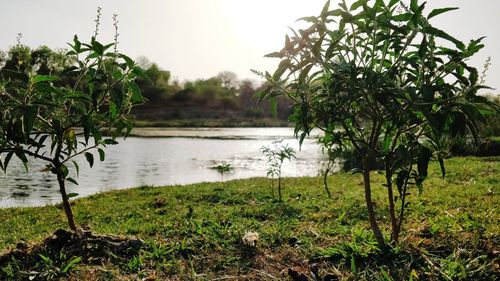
[197, 39]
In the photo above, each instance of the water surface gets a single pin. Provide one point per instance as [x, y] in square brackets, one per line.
[172, 156]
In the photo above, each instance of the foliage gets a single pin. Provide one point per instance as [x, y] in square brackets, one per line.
[222, 169]
[453, 223]
[49, 269]
[223, 98]
[276, 154]
[45, 118]
[492, 126]
[379, 77]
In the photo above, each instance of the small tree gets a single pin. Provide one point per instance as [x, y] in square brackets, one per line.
[276, 154]
[377, 76]
[222, 169]
[43, 118]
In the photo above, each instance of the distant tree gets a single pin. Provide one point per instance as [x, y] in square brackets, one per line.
[143, 62]
[18, 58]
[3, 58]
[160, 78]
[228, 79]
[373, 76]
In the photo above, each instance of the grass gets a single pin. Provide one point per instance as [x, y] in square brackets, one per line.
[195, 232]
[213, 123]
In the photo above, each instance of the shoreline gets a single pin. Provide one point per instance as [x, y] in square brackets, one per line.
[214, 123]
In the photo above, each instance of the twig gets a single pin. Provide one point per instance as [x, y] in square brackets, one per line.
[264, 273]
[229, 277]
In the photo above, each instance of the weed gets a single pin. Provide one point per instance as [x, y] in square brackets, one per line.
[276, 154]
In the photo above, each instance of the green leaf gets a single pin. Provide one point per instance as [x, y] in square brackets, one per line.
[275, 55]
[357, 4]
[87, 125]
[98, 48]
[77, 168]
[73, 181]
[304, 73]
[130, 62]
[117, 74]
[401, 17]
[439, 33]
[44, 78]
[423, 161]
[393, 2]
[436, 12]
[90, 158]
[20, 154]
[427, 93]
[136, 97]
[113, 111]
[400, 181]
[324, 11]
[76, 44]
[353, 267]
[110, 141]
[274, 106]
[307, 19]
[70, 195]
[422, 49]
[71, 264]
[414, 5]
[45, 259]
[29, 117]
[386, 145]
[282, 67]
[57, 126]
[101, 154]
[65, 171]
[458, 124]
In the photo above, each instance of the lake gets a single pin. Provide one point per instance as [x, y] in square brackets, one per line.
[163, 156]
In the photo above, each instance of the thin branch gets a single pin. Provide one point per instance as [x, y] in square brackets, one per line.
[80, 153]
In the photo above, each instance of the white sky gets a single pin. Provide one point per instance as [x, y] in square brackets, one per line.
[200, 38]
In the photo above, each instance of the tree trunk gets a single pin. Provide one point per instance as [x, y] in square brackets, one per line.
[392, 213]
[390, 195]
[369, 205]
[66, 204]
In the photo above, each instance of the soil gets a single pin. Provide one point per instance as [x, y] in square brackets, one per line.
[92, 248]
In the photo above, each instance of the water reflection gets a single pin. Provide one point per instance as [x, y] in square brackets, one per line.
[161, 161]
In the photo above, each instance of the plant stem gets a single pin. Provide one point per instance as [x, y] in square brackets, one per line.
[62, 188]
[369, 204]
[279, 186]
[390, 195]
[325, 177]
[66, 204]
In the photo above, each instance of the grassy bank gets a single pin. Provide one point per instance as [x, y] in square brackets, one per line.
[195, 232]
[215, 123]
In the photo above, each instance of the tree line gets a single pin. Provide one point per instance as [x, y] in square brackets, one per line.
[223, 96]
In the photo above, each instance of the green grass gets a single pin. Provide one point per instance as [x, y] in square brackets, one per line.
[195, 231]
[212, 123]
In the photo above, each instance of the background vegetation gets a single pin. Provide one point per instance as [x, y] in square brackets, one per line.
[223, 100]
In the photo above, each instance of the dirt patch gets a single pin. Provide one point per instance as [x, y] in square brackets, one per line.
[57, 251]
